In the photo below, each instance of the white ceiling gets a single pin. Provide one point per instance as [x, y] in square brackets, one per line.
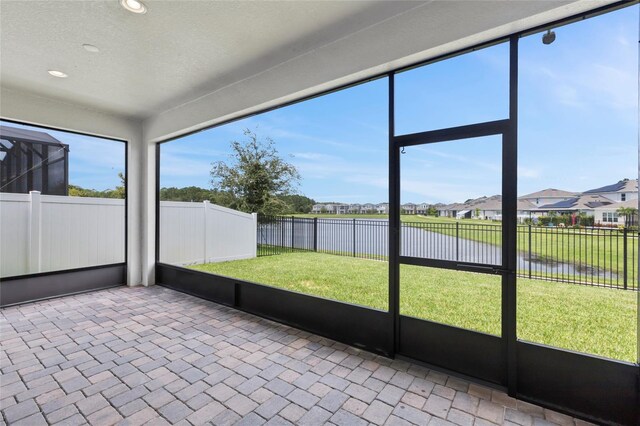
[182, 51]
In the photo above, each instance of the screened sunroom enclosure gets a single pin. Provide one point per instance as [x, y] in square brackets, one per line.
[520, 294]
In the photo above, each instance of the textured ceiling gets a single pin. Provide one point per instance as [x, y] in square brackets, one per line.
[182, 51]
[175, 51]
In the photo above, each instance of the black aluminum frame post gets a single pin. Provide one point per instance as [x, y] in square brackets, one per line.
[394, 221]
[510, 223]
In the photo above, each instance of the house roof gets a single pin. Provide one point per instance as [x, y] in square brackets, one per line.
[583, 202]
[624, 185]
[549, 193]
[16, 133]
[615, 206]
[491, 203]
[495, 203]
[471, 204]
[526, 205]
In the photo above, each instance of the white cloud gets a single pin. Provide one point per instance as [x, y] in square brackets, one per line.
[528, 172]
[490, 166]
[369, 179]
[179, 166]
[315, 156]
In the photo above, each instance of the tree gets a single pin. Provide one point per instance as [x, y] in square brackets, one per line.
[120, 191]
[256, 176]
[583, 218]
[629, 214]
[298, 203]
[189, 193]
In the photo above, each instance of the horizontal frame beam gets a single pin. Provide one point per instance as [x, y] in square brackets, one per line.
[489, 128]
[481, 268]
[30, 288]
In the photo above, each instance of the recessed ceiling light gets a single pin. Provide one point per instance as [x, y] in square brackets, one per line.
[57, 73]
[90, 48]
[134, 6]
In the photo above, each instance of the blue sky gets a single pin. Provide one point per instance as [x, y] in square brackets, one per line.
[578, 126]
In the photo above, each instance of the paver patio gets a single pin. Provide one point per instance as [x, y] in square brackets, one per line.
[155, 356]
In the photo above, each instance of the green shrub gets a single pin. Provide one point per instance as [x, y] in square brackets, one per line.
[545, 220]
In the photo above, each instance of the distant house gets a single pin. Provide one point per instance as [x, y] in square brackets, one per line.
[341, 208]
[408, 208]
[531, 205]
[330, 208]
[368, 208]
[608, 215]
[585, 203]
[623, 190]
[548, 196]
[382, 208]
[422, 208]
[526, 209]
[445, 210]
[355, 208]
[452, 210]
[488, 208]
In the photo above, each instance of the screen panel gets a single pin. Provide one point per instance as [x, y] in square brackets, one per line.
[62, 200]
[466, 89]
[294, 198]
[578, 187]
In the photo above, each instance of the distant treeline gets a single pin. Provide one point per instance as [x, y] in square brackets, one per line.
[118, 192]
[286, 204]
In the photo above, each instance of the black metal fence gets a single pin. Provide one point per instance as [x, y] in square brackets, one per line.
[606, 257]
[362, 238]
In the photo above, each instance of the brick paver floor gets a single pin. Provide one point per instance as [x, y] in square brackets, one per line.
[155, 356]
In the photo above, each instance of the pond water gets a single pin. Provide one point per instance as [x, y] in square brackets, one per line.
[369, 238]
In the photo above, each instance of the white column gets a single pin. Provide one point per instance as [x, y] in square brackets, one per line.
[35, 233]
[148, 217]
[135, 196]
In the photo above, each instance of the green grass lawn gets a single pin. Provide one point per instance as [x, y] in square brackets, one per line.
[581, 318]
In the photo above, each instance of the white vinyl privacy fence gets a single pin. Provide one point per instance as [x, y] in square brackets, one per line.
[43, 233]
[193, 233]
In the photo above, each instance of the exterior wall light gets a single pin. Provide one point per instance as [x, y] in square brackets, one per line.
[549, 37]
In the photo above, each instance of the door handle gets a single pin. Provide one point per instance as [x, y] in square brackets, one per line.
[484, 268]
